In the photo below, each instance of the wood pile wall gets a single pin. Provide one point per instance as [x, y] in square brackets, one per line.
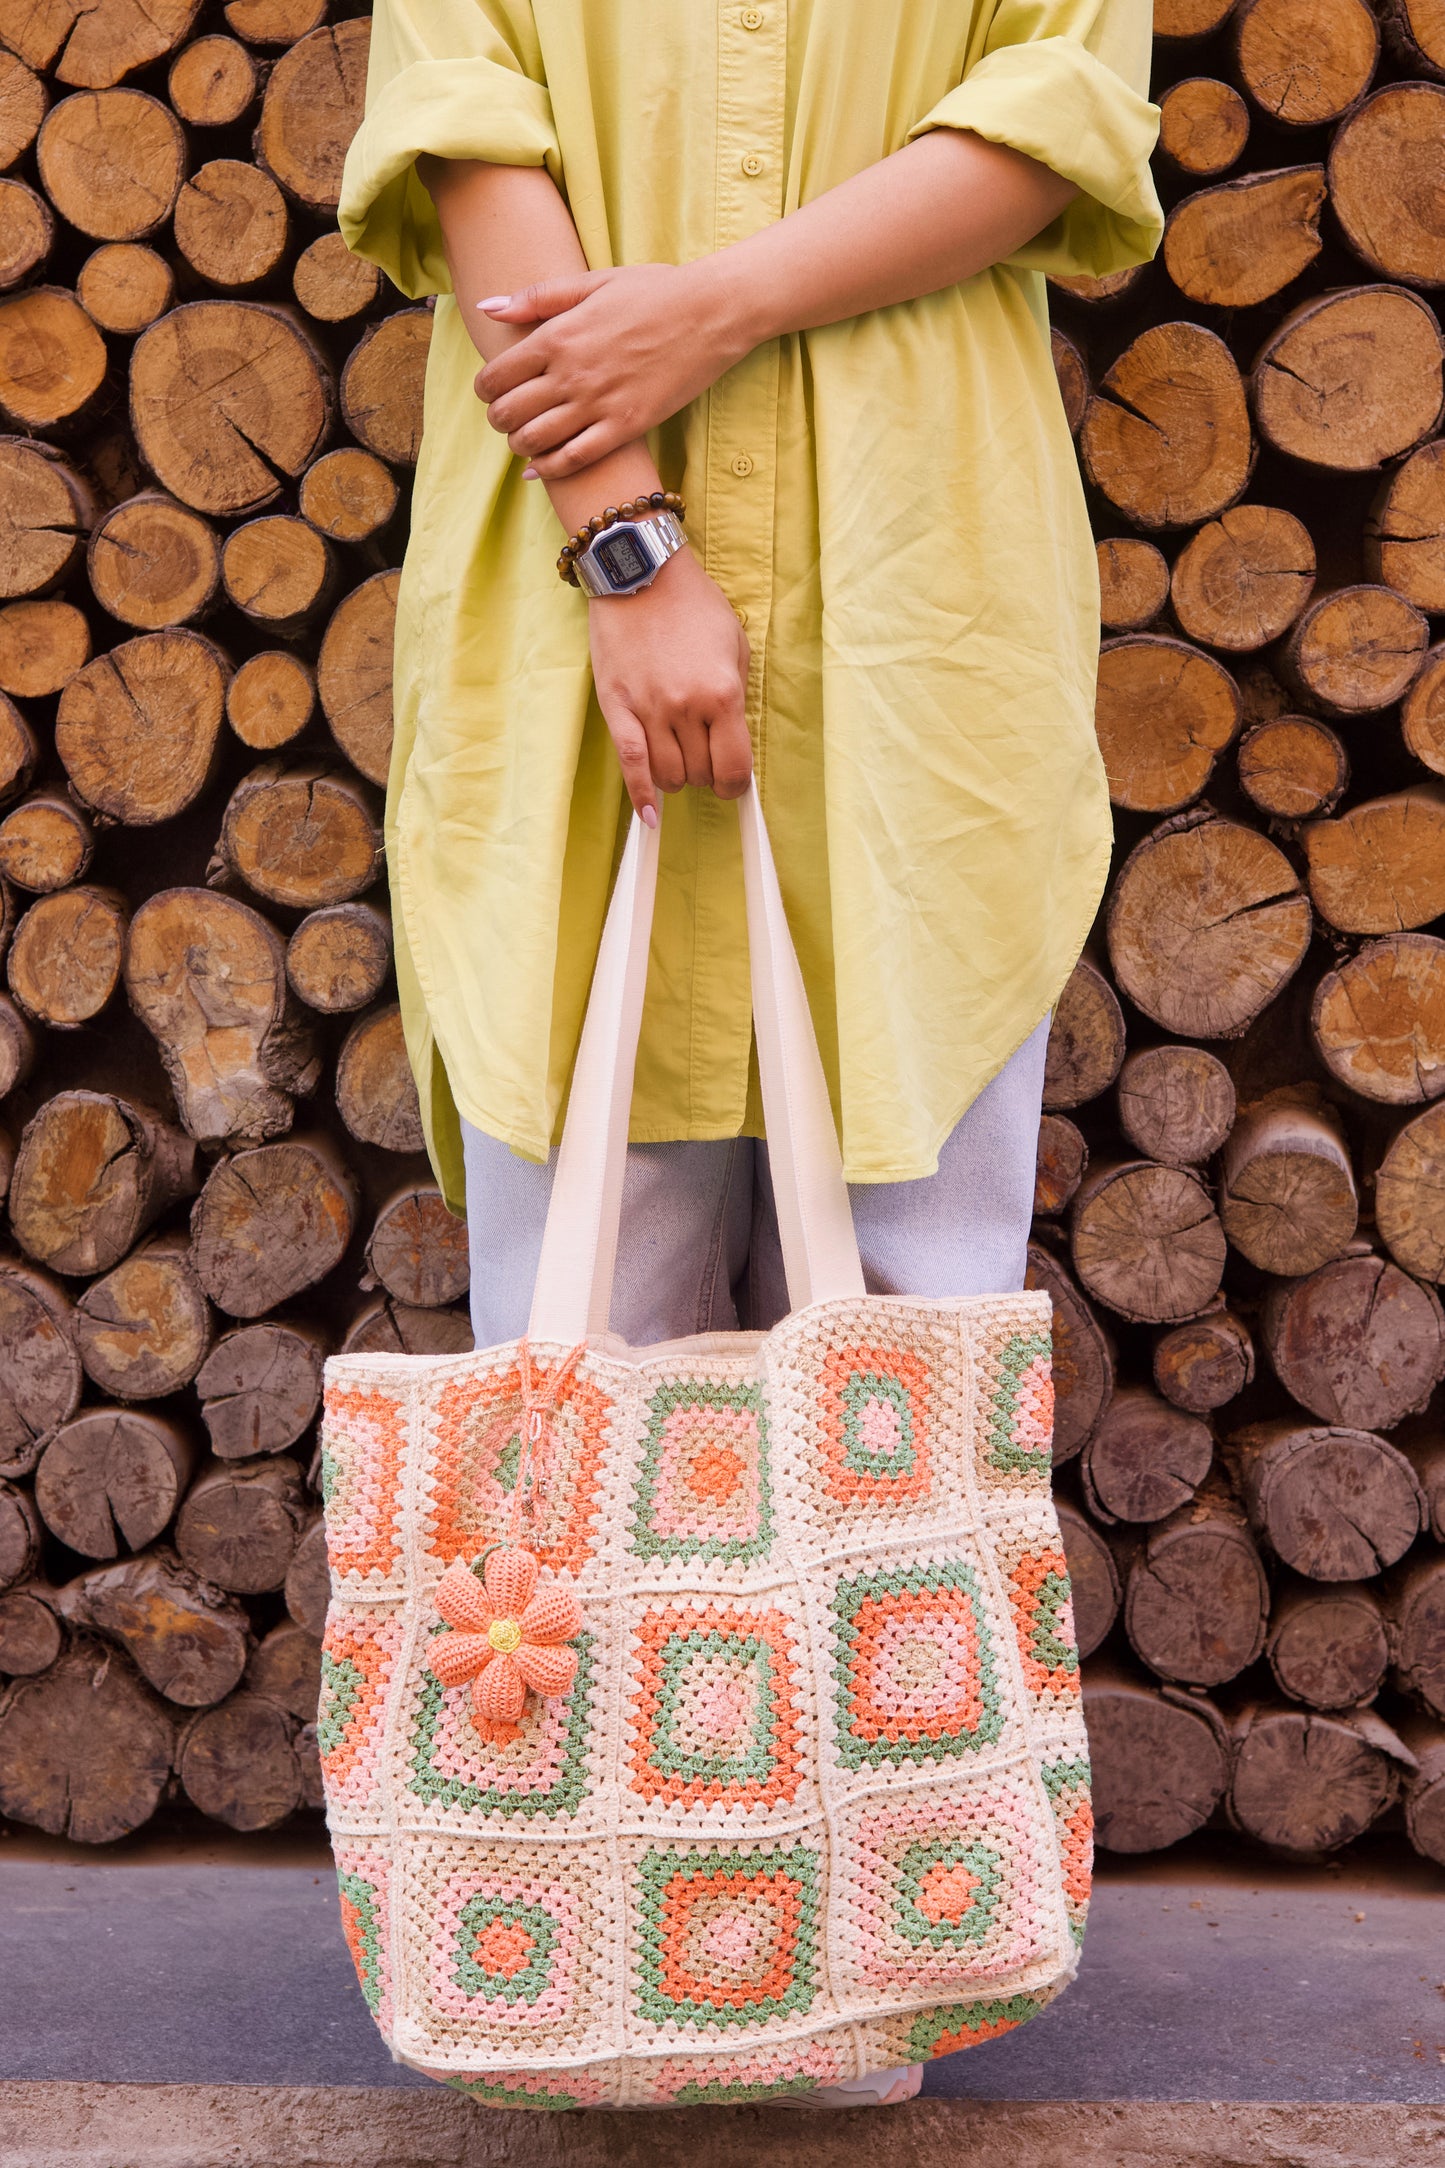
[210, 1138]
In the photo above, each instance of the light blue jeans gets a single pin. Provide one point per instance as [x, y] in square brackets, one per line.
[699, 1249]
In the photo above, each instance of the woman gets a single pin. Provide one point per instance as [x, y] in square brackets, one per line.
[784, 261]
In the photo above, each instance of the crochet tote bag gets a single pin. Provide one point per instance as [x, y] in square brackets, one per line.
[702, 1722]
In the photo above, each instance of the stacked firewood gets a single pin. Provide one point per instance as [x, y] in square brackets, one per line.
[1241, 1187]
[211, 1139]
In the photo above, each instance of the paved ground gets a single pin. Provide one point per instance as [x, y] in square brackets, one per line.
[199, 1973]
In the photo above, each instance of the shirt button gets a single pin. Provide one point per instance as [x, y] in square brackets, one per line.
[753, 18]
[753, 162]
[743, 464]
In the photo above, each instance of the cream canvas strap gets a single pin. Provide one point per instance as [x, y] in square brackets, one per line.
[573, 1295]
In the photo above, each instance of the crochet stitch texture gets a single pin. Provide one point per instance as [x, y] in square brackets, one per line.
[817, 1799]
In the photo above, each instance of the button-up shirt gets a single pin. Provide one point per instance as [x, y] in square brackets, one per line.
[891, 505]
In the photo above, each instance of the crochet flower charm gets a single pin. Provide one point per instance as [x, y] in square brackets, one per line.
[508, 1633]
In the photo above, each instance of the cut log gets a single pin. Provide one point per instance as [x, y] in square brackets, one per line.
[231, 224]
[1234, 246]
[40, 1376]
[1073, 377]
[93, 1172]
[1356, 651]
[112, 162]
[272, 1221]
[1093, 1579]
[27, 232]
[213, 83]
[382, 386]
[308, 1579]
[348, 496]
[1167, 437]
[1203, 124]
[353, 674]
[1164, 713]
[270, 700]
[1190, 18]
[1328, 1647]
[1337, 1505]
[1197, 1601]
[206, 975]
[311, 110]
[53, 363]
[45, 843]
[1083, 1355]
[302, 836]
[1060, 1163]
[273, 22]
[1378, 1019]
[1203, 1364]
[1206, 925]
[238, 1763]
[185, 1638]
[20, 1535]
[1415, 33]
[1145, 1459]
[1380, 867]
[23, 102]
[1351, 378]
[228, 398]
[1426, 1456]
[331, 284]
[278, 572]
[95, 46]
[1287, 1190]
[1357, 1343]
[1405, 532]
[19, 751]
[383, 1327]
[85, 1748]
[17, 1047]
[1244, 578]
[1425, 1790]
[1133, 584]
[417, 1250]
[286, 1668]
[64, 962]
[1176, 1104]
[1104, 293]
[138, 729]
[153, 563]
[1293, 768]
[1415, 1600]
[1304, 62]
[1147, 1241]
[1304, 1782]
[42, 645]
[1384, 182]
[31, 1635]
[240, 1524]
[376, 1092]
[1410, 1195]
[1086, 1040]
[143, 1331]
[111, 1479]
[338, 958]
[46, 510]
[1160, 1762]
[260, 1388]
[123, 286]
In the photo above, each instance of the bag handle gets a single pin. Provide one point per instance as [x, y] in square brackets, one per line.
[573, 1295]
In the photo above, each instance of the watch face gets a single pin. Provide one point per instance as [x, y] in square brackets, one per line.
[621, 557]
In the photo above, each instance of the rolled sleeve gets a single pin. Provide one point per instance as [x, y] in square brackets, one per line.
[458, 79]
[1066, 82]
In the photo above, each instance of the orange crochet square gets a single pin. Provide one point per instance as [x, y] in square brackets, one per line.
[946, 1620]
[763, 1909]
[715, 1708]
[476, 1458]
[875, 1425]
[1044, 1622]
[362, 1444]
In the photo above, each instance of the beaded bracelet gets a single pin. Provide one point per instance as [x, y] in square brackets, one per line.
[661, 500]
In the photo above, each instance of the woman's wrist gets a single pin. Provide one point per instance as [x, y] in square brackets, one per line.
[724, 307]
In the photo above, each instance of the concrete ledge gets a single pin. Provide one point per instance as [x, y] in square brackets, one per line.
[237, 2126]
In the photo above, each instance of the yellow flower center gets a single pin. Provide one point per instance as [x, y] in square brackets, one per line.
[505, 1635]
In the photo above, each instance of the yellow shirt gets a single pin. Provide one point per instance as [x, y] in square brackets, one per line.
[892, 504]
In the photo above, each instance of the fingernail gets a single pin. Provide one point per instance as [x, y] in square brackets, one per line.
[495, 301]
[649, 816]
[529, 474]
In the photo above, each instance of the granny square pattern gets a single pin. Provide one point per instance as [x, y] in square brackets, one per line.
[810, 1793]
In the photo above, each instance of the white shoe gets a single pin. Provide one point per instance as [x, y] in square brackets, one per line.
[878, 2089]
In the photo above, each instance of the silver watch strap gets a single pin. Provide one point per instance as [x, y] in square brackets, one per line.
[659, 537]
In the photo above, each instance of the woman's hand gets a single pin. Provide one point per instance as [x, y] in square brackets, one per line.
[671, 669]
[614, 354]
